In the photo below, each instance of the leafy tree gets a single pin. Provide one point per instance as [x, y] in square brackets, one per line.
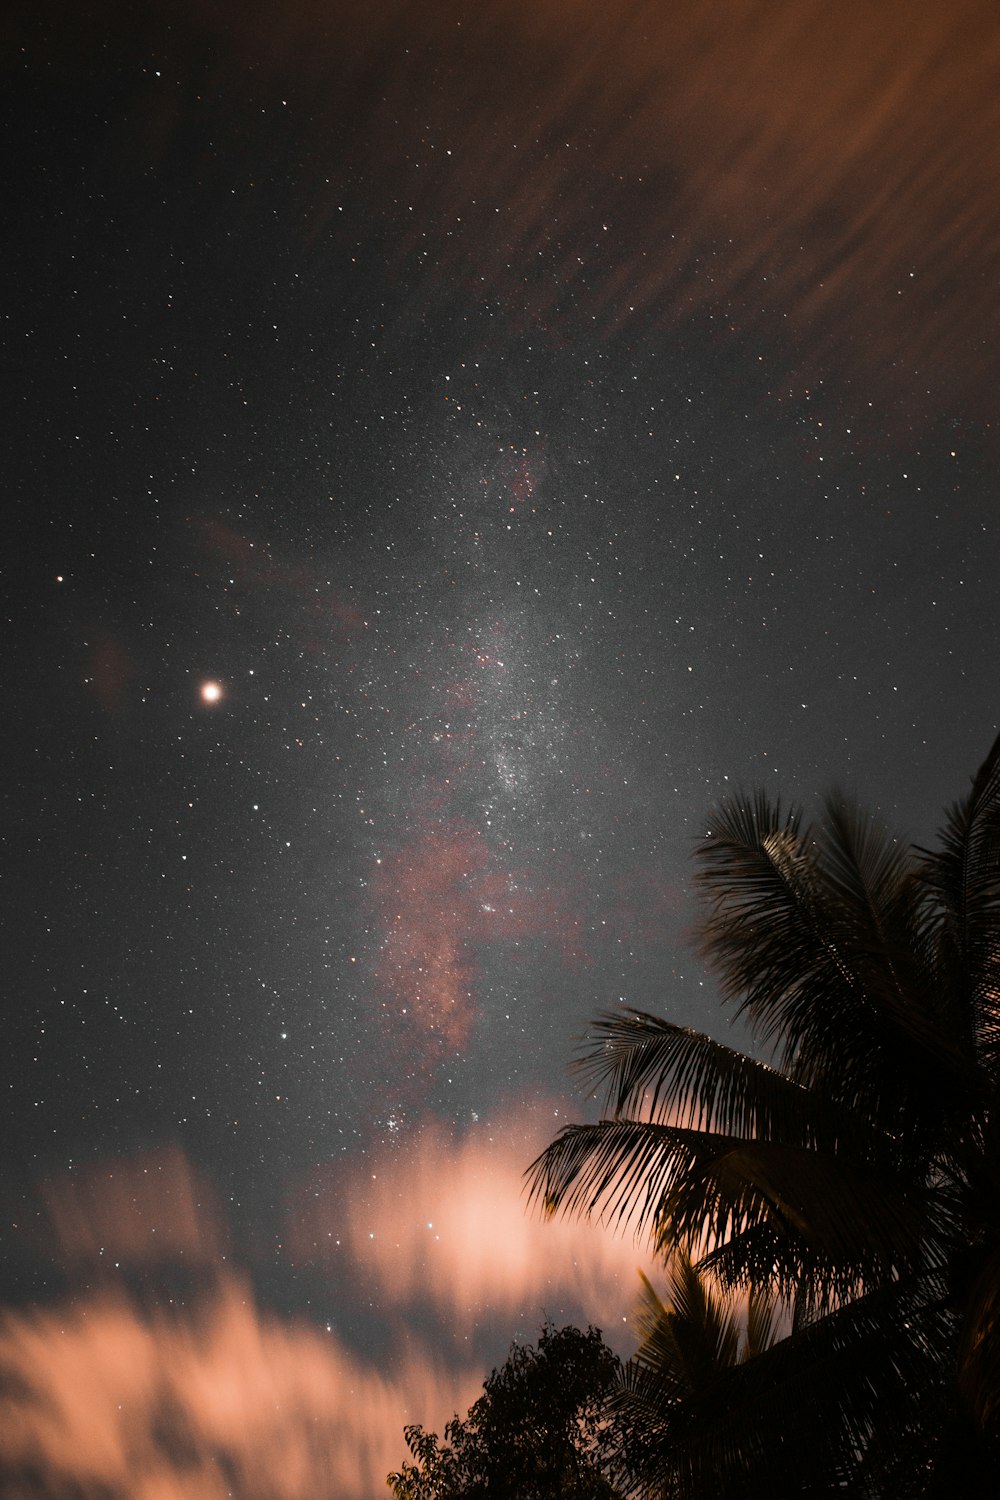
[540, 1430]
[855, 1175]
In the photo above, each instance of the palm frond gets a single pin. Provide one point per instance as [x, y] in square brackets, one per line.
[850, 1212]
[764, 1313]
[620, 1171]
[962, 881]
[686, 1340]
[764, 934]
[850, 1223]
[831, 1403]
[870, 870]
[695, 1333]
[819, 962]
[646, 1067]
[978, 1360]
[874, 909]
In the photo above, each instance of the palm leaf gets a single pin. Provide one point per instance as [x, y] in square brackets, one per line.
[962, 880]
[646, 1067]
[764, 933]
[764, 1313]
[687, 1340]
[845, 1210]
[978, 1360]
[873, 907]
[621, 1171]
[814, 961]
[831, 1403]
[849, 1222]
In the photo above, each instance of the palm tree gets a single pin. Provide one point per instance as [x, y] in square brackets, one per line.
[855, 1174]
[689, 1345]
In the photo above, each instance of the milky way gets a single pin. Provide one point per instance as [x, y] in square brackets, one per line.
[447, 452]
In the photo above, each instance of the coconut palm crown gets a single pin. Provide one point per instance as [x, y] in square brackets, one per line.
[855, 1174]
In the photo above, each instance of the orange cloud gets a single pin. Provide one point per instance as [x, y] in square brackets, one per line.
[152, 1397]
[321, 606]
[102, 1396]
[111, 669]
[149, 1210]
[444, 1223]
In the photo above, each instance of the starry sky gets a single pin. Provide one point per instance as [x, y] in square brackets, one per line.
[446, 449]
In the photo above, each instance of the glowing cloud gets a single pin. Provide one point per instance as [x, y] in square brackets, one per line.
[104, 1396]
[444, 1224]
[208, 1395]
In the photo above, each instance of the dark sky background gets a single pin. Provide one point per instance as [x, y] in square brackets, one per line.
[536, 420]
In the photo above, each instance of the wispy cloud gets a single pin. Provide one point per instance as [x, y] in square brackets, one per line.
[208, 1394]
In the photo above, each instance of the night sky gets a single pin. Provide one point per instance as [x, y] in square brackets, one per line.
[446, 448]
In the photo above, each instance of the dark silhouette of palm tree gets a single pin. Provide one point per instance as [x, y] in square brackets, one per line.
[856, 1175]
[689, 1344]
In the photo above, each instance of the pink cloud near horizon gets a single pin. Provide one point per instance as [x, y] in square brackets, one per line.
[209, 1395]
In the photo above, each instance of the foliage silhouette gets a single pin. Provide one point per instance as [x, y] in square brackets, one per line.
[856, 1176]
[539, 1431]
[689, 1344]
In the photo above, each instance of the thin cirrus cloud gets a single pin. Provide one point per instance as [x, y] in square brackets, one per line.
[824, 170]
[819, 178]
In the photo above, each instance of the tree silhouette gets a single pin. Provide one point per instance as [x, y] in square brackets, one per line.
[540, 1430]
[855, 1176]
